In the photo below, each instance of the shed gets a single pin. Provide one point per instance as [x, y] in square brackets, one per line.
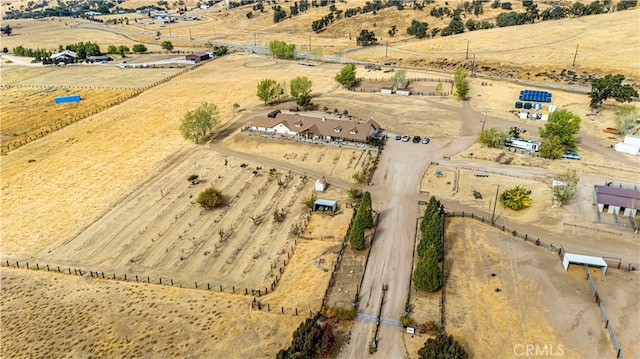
[403, 92]
[386, 90]
[294, 109]
[321, 185]
[581, 259]
[65, 99]
[325, 205]
[198, 56]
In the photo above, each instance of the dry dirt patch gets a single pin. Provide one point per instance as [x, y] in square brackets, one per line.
[537, 302]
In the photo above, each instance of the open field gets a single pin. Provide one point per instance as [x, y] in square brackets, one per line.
[118, 200]
[538, 303]
[31, 111]
[48, 315]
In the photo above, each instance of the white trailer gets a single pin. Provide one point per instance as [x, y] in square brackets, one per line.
[527, 145]
[627, 148]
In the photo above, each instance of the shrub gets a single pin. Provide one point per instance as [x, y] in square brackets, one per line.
[210, 198]
[516, 198]
[310, 201]
[442, 346]
[193, 179]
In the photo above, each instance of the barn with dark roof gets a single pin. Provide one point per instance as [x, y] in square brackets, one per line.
[622, 204]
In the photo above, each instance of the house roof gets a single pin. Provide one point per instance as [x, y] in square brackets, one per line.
[68, 53]
[347, 129]
[619, 197]
[200, 54]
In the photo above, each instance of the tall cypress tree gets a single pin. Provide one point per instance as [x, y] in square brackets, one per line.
[367, 211]
[356, 234]
[428, 275]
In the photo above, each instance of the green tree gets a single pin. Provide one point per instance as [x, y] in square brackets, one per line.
[460, 83]
[516, 198]
[267, 90]
[551, 147]
[356, 234]
[112, 49]
[122, 50]
[167, 46]
[399, 79]
[418, 29]
[433, 206]
[309, 340]
[139, 48]
[564, 124]
[428, 276]
[627, 119]
[610, 86]
[197, 125]
[301, 90]
[366, 38]
[493, 137]
[431, 236]
[210, 198]
[443, 346]
[282, 50]
[565, 192]
[347, 75]
[367, 211]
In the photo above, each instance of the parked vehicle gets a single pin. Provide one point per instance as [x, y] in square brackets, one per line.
[425, 140]
[398, 137]
[611, 130]
[405, 138]
[571, 155]
[416, 139]
[528, 145]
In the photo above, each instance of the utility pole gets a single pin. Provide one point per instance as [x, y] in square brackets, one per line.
[467, 56]
[484, 118]
[473, 65]
[576, 55]
[495, 202]
[386, 49]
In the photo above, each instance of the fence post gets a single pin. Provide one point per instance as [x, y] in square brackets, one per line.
[195, 282]
[136, 277]
[234, 289]
[148, 280]
[48, 268]
[125, 277]
[221, 287]
[27, 265]
[37, 266]
[282, 310]
[296, 311]
[246, 291]
[114, 276]
[160, 280]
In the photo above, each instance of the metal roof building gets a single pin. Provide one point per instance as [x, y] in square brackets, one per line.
[622, 203]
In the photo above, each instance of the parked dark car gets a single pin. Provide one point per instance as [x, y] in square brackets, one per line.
[416, 139]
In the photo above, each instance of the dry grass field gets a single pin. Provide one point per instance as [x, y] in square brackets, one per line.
[118, 200]
[530, 307]
[31, 111]
[57, 315]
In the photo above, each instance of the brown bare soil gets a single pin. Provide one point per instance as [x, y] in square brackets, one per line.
[530, 308]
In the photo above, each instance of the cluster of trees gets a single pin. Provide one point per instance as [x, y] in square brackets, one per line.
[39, 54]
[300, 88]
[516, 198]
[610, 86]
[366, 38]
[278, 13]
[493, 137]
[311, 339]
[198, 125]
[460, 83]
[428, 275]
[6, 30]
[363, 220]
[347, 75]
[418, 29]
[84, 49]
[558, 134]
[442, 346]
[473, 25]
[282, 50]
[40, 9]
[318, 25]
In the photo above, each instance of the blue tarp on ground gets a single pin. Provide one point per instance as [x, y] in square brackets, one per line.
[64, 99]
